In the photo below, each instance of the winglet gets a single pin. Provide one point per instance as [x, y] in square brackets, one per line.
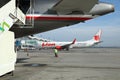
[74, 41]
[97, 35]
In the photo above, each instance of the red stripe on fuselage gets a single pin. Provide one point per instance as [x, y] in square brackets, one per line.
[57, 18]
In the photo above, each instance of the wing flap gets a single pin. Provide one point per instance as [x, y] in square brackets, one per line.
[67, 6]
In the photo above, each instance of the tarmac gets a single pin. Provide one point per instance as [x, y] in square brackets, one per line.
[76, 64]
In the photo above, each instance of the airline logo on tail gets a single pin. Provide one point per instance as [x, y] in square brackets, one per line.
[97, 35]
[96, 38]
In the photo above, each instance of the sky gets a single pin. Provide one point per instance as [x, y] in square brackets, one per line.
[110, 25]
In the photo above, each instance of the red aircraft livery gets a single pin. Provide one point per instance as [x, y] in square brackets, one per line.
[47, 44]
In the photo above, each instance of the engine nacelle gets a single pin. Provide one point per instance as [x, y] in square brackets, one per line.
[102, 8]
[58, 47]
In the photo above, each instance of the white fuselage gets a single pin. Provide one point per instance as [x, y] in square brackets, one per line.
[75, 45]
[83, 44]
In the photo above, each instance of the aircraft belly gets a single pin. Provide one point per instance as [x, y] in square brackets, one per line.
[40, 26]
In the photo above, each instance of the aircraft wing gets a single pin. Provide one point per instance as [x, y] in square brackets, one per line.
[45, 15]
[66, 46]
[67, 6]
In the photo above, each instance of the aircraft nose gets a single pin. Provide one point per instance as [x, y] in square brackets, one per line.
[102, 9]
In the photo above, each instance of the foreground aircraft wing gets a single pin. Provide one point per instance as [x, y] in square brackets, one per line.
[45, 15]
[66, 46]
[70, 6]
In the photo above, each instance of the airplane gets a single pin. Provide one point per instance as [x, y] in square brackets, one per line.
[94, 41]
[26, 17]
[75, 44]
[57, 45]
[45, 15]
[29, 17]
[38, 44]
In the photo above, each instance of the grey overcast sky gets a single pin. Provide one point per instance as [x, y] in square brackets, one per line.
[110, 25]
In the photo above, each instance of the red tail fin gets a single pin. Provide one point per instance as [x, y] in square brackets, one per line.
[97, 35]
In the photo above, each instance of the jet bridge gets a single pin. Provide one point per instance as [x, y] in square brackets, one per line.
[9, 15]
